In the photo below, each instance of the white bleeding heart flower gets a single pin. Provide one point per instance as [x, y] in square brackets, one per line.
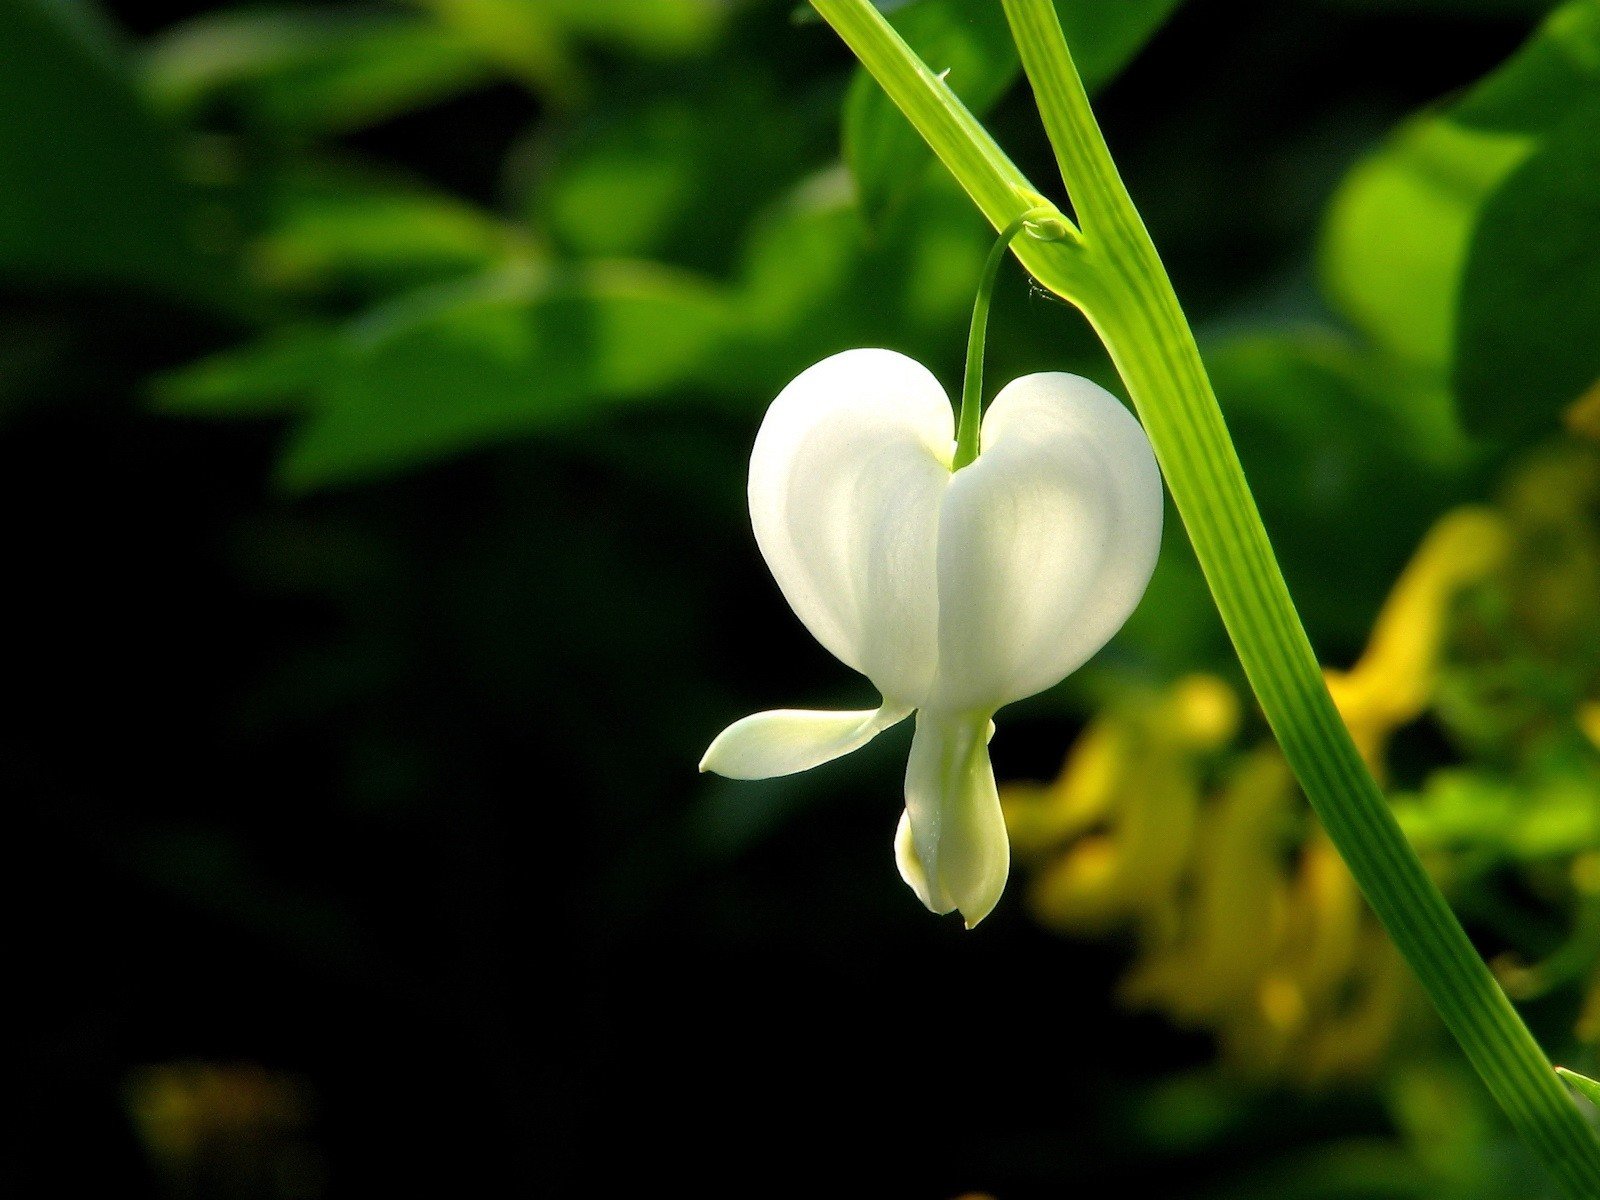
[954, 592]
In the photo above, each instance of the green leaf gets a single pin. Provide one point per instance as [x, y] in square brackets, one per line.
[685, 161]
[273, 377]
[1464, 247]
[538, 40]
[1537, 86]
[91, 190]
[1396, 235]
[333, 228]
[1537, 816]
[1582, 1084]
[304, 71]
[973, 43]
[666, 28]
[815, 282]
[1527, 336]
[526, 350]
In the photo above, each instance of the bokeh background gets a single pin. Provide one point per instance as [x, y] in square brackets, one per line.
[376, 385]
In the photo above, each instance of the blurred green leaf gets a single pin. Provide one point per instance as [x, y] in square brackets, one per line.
[815, 281]
[533, 347]
[1544, 814]
[337, 227]
[524, 350]
[1464, 247]
[272, 377]
[1537, 87]
[537, 40]
[310, 71]
[663, 27]
[518, 36]
[973, 43]
[1527, 335]
[689, 160]
[1396, 236]
[90, 183]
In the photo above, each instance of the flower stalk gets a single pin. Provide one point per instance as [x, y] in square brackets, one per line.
[1043, 223]
[1113, 273]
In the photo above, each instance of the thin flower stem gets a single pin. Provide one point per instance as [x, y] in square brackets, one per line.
[1041, 224]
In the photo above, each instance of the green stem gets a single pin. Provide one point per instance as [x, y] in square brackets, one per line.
[1115, 276]
[1137, 315]
[1001, 192]
[971, 420]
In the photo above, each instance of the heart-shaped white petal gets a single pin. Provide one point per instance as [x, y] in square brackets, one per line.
[846, 480]
[1046, 542]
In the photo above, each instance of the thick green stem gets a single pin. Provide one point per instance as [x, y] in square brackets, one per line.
[1115, 275]
[1137, 315]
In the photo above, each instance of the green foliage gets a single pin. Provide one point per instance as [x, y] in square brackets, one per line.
[1543, 815]
[93, 187]
[525, 350]
[1557, 67]
[308, 71]
[1397, 234]
[658, 28]
[972, 45]
[274, 377]
[1465, 246]
[1527, 341]
[328, 227]
[671, 172]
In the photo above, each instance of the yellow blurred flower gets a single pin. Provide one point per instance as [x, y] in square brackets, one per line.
[1394, 681]
[1246, 922]
[225, 1129]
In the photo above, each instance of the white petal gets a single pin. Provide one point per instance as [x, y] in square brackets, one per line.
[1046, 542]
[846, 479]
[952, 846]
[912, 870]
[787, 740]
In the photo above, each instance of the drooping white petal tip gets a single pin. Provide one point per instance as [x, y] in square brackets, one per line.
[786, 741]
[951, 845]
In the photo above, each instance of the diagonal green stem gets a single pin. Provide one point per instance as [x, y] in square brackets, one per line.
[1001, 192]
[1115, 276]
